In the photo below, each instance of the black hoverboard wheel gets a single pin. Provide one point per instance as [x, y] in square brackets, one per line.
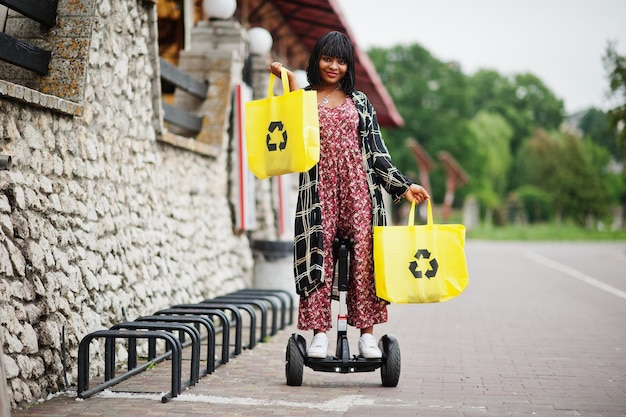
[294, 365]
[390, 368]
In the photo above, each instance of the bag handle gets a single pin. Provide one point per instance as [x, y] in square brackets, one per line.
[284, 79]
[429, 219]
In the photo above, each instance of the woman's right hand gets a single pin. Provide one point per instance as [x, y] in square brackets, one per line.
[275, 68]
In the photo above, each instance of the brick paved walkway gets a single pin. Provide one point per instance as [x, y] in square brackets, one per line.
[540, 331]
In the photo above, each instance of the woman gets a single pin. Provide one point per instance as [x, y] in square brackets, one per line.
[341, 197]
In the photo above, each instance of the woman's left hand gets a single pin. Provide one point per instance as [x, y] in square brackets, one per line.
[416, 193]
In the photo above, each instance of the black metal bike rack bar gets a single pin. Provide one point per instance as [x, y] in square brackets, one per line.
[197, 321]
[286, 299]
[209, 315]
[272, 300]
[175, 353]
[194, 335]
[242, 302]
[235, 309]
[211, 312]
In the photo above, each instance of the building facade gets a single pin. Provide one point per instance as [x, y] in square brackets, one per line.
[105, 214]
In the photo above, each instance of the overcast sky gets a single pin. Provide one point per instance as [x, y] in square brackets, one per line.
[560, 41]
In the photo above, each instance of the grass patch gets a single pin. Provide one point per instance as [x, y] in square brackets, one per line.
[552, 231]
[545, 232]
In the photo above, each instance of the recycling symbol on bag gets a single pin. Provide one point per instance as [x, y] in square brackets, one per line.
[417, 269]
[270, 135]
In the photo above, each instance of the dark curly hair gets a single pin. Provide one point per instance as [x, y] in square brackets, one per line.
[337, 45]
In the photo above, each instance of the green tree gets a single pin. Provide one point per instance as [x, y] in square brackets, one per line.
[563, 167]
[615, 65]
[492, 159]
[470, 117]
[601, 159]
[595, 125]
[536, 203]
[523, 100]
[431, 97]
[578, 188]
[537, 160]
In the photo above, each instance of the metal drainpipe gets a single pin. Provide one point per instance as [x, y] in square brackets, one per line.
[5, 161]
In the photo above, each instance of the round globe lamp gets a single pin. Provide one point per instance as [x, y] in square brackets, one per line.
[260, 41]
[219, 9]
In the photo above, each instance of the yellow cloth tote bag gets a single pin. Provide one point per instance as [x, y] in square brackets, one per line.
[282, 132]
[420, 263]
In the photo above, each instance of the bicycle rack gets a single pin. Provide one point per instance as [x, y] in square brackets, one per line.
[225, 327]
[175, 353]
[258, 299]
[197, 322]
[235, 309]
[248, 305]
[287, 301]
[194, 335]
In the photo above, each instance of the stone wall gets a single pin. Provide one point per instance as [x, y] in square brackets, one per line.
[5, 410]
[99, 220]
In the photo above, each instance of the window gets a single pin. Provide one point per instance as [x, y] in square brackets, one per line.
[52, 76]
[182, 93]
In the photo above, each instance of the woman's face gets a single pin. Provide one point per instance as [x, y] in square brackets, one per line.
[332, 69]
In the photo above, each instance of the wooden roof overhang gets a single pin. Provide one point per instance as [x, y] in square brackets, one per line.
[296, 25]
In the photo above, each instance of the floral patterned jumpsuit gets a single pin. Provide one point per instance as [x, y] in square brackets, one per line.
[346, 212]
